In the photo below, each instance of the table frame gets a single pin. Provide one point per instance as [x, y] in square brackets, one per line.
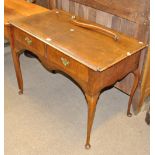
[92, 88]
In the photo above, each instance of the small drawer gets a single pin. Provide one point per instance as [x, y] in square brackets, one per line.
[29, 42]
[67, 64]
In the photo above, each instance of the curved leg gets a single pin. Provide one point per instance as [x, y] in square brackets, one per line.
[135, 84]
[15, 56]
[16, 61]
[91, 102]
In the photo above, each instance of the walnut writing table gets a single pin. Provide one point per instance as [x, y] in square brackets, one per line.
[94, 57]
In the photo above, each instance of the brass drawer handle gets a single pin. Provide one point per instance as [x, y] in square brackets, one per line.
[29, 41]
[64, 61]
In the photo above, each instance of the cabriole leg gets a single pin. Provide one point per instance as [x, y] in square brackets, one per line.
[91, 102]
[135, 84]
[16, 61]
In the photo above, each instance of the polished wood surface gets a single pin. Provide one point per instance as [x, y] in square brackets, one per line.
[67, 38]
[134, 24]
[14, 9]
[92, 59]
[131, 18]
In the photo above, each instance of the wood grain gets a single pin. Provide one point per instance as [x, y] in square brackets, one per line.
[129, 17]
[14, 9]
[84, 51]
[65, 5]
[71, 7]
[66, 49]
[44, 3]
[59, 4]
[131, 10]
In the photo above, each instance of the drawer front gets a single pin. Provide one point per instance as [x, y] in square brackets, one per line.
[29, 42]
[67, 64]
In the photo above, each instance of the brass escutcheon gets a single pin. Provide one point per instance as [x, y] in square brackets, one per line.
[29, 41]
[64, 61]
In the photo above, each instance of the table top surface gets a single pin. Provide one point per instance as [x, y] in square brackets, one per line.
[93, 49]
[14, 9]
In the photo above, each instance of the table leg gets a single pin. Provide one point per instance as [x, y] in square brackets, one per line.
[16, 61]
[135, 84]
[91, 102]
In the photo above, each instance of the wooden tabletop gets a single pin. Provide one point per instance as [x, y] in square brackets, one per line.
[91, 48]
[19, 8]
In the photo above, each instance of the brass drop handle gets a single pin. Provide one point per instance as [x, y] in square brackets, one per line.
[64, 61]
[28, 40]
